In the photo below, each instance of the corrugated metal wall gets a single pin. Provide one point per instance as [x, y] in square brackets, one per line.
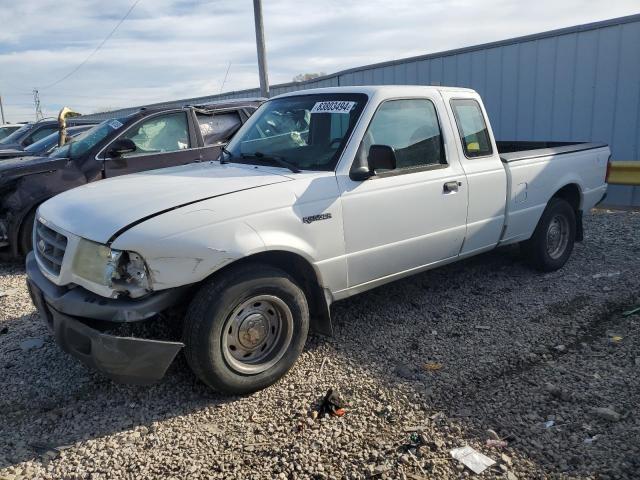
[575, 84]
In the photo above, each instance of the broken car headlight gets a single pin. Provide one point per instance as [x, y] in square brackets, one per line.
[123, 271]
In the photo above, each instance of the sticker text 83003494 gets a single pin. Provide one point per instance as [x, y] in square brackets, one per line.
[333, 107]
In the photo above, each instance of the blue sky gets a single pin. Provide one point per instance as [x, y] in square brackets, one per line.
[171, 49]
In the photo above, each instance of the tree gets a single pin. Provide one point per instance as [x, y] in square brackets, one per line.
[303, 77]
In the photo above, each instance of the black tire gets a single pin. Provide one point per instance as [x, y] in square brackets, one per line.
[25, 235]
[537, 248]
[214, 308]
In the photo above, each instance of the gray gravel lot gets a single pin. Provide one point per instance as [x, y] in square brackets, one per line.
[518, 350]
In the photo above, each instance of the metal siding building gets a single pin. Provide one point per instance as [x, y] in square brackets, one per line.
[579, 83]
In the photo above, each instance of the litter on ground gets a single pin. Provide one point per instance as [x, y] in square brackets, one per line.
[472, 459]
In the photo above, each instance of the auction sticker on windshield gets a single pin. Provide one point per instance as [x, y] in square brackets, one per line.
[333, 107]
[115, 124]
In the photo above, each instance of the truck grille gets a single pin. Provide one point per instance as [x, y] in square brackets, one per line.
[49, 247]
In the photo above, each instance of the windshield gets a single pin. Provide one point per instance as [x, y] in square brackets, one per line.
[84, 142]
[15, 136]
[50, 141]
[307, 132]
[6, 130]
[43, 144]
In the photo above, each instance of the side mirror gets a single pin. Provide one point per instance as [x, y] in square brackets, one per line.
[382, 157]
[121, 147]
[379, 157]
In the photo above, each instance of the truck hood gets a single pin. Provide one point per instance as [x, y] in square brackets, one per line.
[17, 167]
[101, 210]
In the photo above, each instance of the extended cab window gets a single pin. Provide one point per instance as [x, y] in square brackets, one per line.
[411, 128]
[472, 128]
[159, 134]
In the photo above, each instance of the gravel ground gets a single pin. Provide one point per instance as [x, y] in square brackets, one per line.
[547, 362]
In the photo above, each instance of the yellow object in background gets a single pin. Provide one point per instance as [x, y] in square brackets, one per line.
[625, 173]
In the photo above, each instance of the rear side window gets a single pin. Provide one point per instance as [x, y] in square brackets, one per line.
[218, 127]
[411, 128]
[472, 128]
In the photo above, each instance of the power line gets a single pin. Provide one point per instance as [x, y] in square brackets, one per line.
[106, 39]
[225, 77]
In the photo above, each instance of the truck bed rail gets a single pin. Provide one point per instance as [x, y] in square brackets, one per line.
[514, 151]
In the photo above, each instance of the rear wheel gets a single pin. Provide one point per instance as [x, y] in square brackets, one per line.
[245, 329]
[551, 244]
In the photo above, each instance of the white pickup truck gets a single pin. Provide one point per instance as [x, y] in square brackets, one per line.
[322, 194]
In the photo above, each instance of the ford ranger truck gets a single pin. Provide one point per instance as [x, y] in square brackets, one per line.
[321, 194]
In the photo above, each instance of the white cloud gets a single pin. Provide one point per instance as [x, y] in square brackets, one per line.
[177, 49]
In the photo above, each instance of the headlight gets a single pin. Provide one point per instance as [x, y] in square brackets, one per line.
[121, 270]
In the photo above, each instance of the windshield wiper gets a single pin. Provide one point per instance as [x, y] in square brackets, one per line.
[276, 158]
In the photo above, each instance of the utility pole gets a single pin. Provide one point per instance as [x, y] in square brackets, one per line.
[36, 101]
[2, 111]
[262, 55]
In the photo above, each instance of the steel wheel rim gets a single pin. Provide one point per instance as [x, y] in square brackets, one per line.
[557, 236]
[257, 334]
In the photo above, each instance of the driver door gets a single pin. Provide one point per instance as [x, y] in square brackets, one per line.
[161, 141]
[412, 216]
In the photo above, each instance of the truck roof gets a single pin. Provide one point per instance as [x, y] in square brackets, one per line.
[384, 90]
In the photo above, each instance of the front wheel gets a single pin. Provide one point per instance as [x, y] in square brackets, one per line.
[552, 241]
[245, 329]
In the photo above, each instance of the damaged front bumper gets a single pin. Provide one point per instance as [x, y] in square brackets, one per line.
[74, 316]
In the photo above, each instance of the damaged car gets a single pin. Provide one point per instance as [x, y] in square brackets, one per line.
[146, 140]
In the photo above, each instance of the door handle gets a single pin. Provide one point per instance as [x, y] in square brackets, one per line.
[451, 187]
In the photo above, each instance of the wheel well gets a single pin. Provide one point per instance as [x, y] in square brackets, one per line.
[306, 278]
[571, 193]
[17, 245]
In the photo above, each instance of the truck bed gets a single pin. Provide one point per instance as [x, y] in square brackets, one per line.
[512, 151]
[536, 170]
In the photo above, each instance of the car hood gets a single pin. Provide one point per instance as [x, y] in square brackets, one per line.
[19, 166]
[100, 210]
[11, 146]
[11, 152]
